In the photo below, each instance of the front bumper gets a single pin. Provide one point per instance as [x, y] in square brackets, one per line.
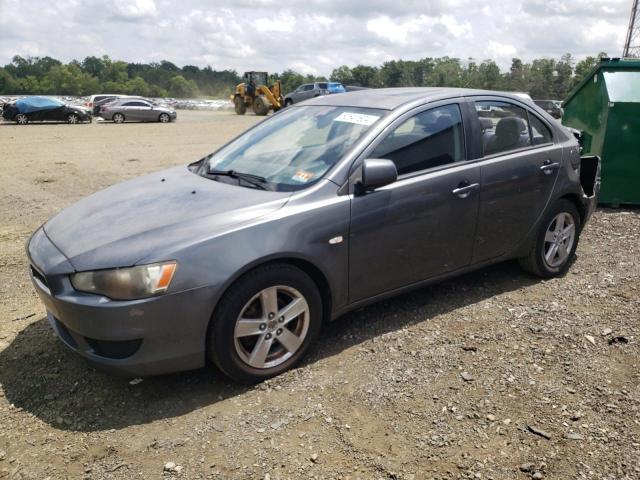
[133, 338]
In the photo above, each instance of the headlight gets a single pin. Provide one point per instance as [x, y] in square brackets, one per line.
[127, 283]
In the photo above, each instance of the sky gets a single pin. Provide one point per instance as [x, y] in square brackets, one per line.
[310, 36]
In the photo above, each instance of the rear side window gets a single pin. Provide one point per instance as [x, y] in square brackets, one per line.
[426, 140]
[539, 131]
[505, 127]
[322, 86]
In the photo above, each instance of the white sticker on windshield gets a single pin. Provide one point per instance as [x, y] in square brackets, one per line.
[357, 118]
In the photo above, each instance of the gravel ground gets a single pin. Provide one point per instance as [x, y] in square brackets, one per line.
[492, 375]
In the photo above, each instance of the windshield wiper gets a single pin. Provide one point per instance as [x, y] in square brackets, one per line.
[255, 180]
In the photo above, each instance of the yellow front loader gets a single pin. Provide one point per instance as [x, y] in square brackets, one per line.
[256, 93]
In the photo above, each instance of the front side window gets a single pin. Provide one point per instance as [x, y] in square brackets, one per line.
[295, 148]
[426, 140]
[308, 87]
[504, 126]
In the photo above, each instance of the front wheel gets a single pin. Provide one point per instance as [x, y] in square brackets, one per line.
[73, 118]
[265, 323]
[288, 102]
[164, 118]
[556, 241]
[239, 106]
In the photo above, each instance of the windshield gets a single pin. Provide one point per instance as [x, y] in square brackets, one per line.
[296, 147]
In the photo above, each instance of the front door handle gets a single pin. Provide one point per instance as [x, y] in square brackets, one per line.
[465, 189]
[548, 167]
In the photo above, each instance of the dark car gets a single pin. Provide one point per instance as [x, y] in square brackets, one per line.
[43, 109]
[311, 90]
[551, 107]
[240, 257]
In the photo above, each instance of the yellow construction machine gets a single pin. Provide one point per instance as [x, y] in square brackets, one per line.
[256, 93]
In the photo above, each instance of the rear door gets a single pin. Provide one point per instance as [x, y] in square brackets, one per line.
[519, 165]
[422, 225]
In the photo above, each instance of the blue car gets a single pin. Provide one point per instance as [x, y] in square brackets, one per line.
[43, 109]
[311, 90]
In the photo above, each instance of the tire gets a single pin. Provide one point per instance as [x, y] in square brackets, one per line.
[260, 106]
[232, 349]
[72, 118]
[21, 119]
[118, 118]
[239, 106]
[164, 118]
[288, 102]
[552, 251]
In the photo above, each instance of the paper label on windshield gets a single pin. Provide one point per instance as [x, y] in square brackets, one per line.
[302, 176]
[357, 118]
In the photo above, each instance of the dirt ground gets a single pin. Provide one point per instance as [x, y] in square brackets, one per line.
[492, 375]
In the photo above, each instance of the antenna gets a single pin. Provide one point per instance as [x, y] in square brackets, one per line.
[632, 44]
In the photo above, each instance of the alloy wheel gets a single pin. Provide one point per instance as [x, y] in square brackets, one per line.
[271, 327]
[22, 119]
[559, 239]
[164, 118]
[72, 118]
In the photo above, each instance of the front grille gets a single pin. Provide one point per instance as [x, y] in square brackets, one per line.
[39, 276]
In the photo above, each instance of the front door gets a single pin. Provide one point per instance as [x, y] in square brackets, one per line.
[422, 225]
[520, 167]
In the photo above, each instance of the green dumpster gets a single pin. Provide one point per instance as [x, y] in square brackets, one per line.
[605, 106]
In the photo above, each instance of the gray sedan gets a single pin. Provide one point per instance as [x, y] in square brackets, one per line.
[239, 258]
[136, 110]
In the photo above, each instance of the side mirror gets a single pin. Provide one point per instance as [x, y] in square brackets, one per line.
[377, 172]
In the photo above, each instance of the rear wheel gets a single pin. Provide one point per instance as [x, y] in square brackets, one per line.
[118, 118]
[164, 118]
[556, 242]
[21, 119]
[72, 118]
[260, 106]
[265, 323]
[239, 106]
[288, 102]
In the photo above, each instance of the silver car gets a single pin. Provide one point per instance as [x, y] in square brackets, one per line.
[136, 110]
[238, 259]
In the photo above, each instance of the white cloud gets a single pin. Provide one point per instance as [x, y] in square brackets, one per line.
[310, 35]
[135, 9]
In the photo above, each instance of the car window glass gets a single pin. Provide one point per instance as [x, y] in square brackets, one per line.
[504, 126]
[539, 131]
[298, 146]
[426, 140]
[323, 86]
[308, 87]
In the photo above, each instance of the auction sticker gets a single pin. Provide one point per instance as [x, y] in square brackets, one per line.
[357, 118]
[302, 176]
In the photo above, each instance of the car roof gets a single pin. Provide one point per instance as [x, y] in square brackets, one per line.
[392, 98]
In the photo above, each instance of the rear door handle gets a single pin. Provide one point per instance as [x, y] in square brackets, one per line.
[548, 167]
[465, 189]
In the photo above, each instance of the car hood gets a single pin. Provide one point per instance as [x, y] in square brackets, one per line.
[130, 221]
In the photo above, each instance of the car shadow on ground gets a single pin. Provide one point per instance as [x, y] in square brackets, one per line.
[39, 375]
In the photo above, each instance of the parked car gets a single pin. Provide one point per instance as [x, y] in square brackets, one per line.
[240, 257]
[101, 100]
[551, 107]
[310, 90]
[43, 109]
[136, 110]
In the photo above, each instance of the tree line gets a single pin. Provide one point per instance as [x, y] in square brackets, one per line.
[541, 78]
